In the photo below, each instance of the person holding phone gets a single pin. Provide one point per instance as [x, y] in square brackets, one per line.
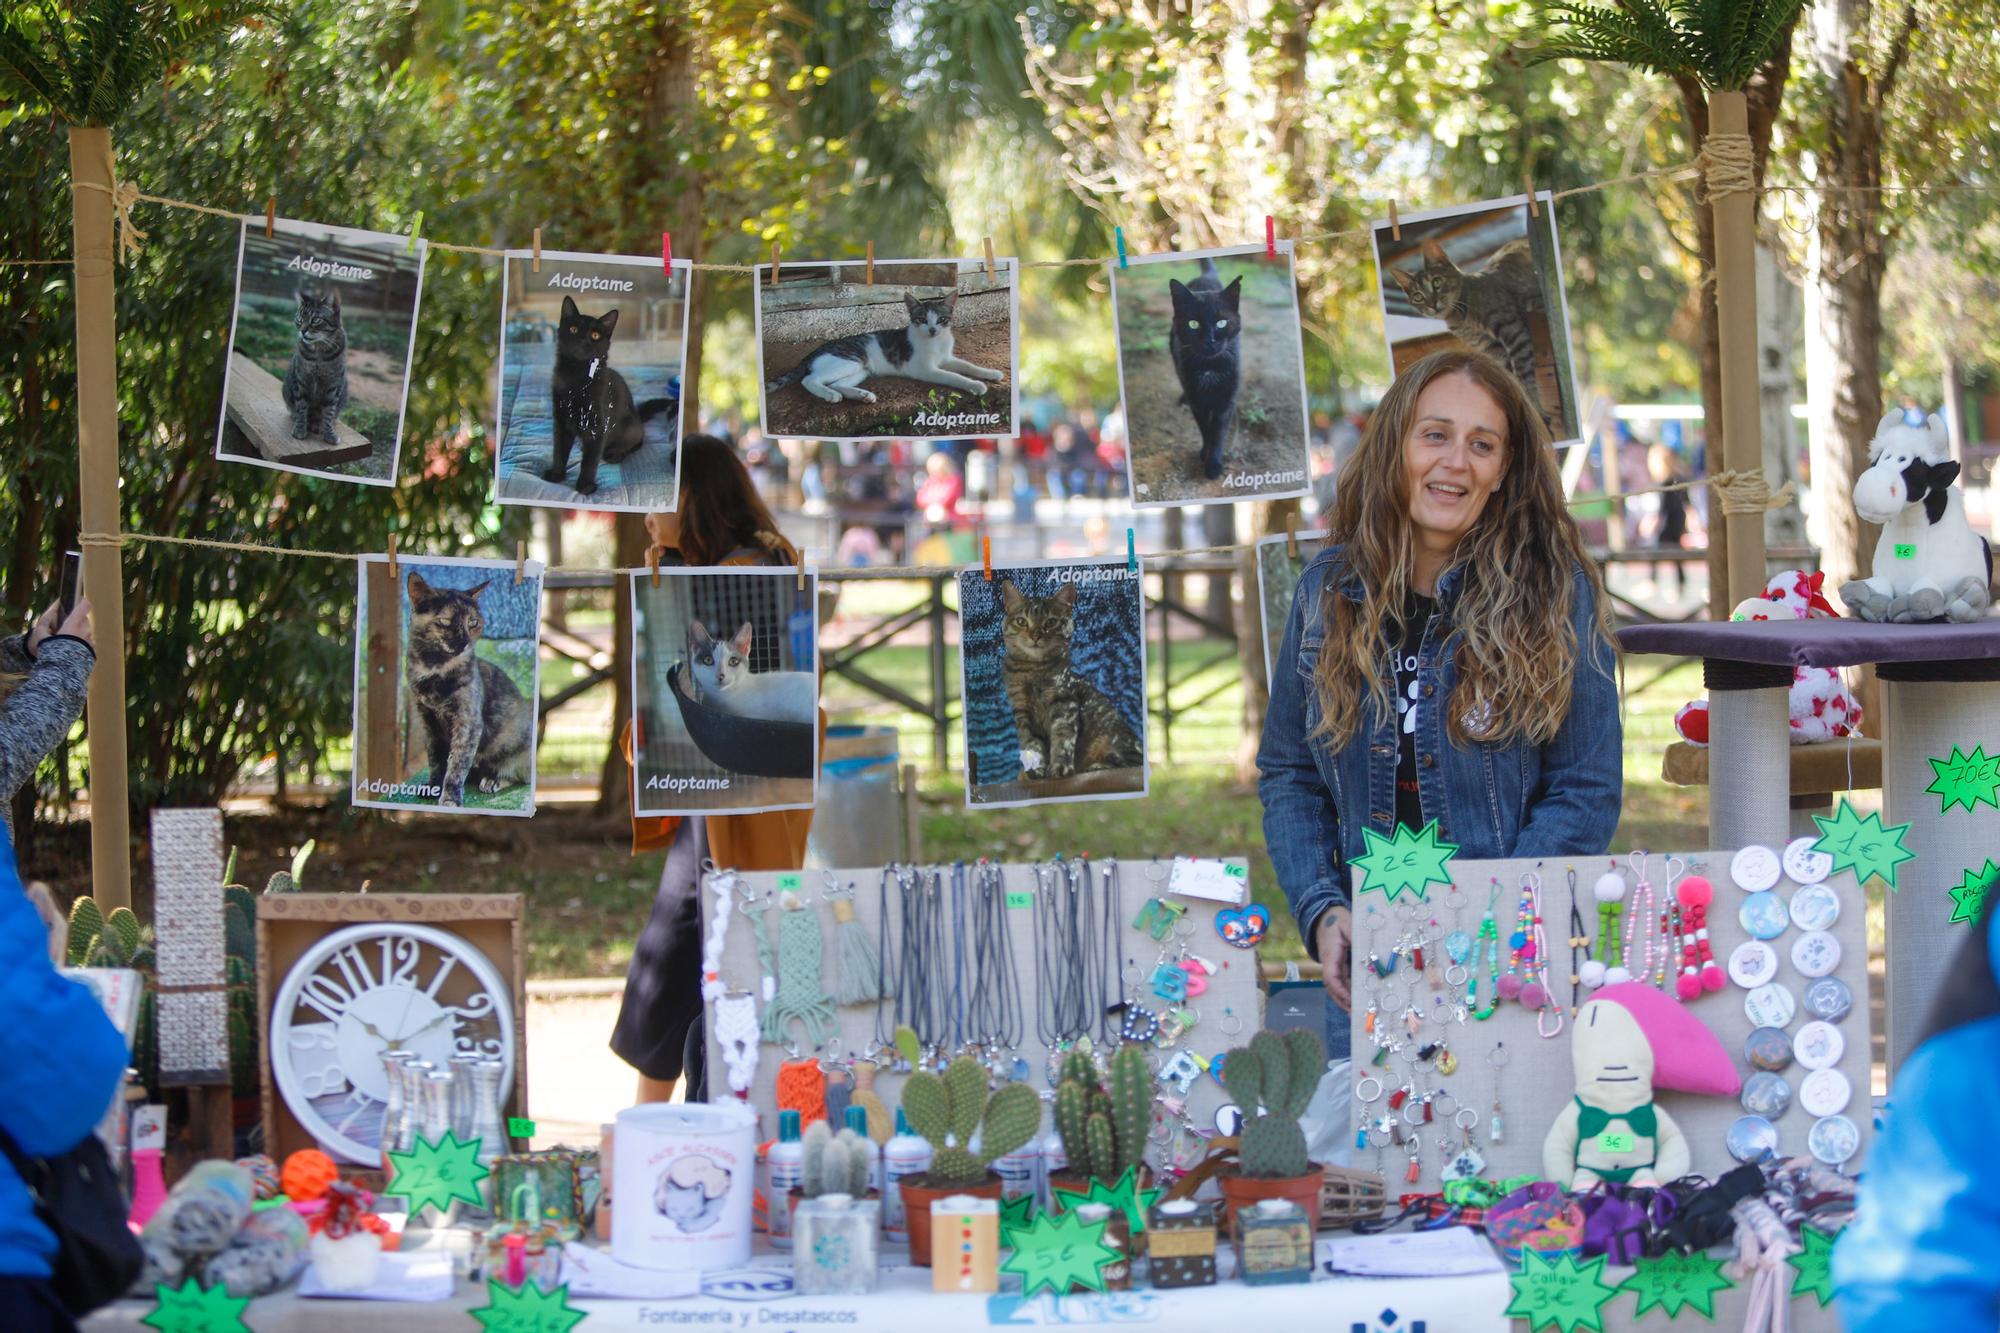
[43, 674]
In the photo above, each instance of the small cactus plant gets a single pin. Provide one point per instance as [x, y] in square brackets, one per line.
[948, 1108]
[1274, 1076]
[834, 1163]
[1104, 1129]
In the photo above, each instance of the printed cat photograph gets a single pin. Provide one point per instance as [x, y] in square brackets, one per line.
[1489, 277]
[1054, 666]
[1211, 376]
[590, 381]
[917, 349]
[725, 688]
[320, 342]
[447, 683]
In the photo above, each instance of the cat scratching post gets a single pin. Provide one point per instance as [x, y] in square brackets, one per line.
[97, 492]
[1749, 761]
[1731, 193]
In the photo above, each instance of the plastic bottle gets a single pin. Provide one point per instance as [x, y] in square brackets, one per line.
[788, 1158]
[1020, 1172]
[904, 1155]
[857, 1120]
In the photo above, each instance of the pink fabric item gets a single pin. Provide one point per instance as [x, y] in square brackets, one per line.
[1687, 1057]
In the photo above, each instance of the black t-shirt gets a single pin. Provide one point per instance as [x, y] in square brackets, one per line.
[1417, 616]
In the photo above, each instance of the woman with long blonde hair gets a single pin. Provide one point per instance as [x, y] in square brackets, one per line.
[1449, 657]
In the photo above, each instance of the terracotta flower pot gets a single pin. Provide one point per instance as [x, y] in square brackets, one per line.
[1239, 1190]
[1076, 1184]
[918, 1196]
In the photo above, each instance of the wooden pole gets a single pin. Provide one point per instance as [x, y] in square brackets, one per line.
[97, 489]
[1736, 319]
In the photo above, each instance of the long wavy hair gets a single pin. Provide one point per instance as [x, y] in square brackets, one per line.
[1518, 653]
[720, 510]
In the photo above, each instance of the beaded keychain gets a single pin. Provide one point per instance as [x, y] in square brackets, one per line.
[1535, 992]
[1579, 944]
[1489, 934]
[1639, 922]
[1670, 929]
[1699, 971]
[1609, 965]
[1519, 983]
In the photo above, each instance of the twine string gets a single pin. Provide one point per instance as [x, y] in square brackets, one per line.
[1728, 165]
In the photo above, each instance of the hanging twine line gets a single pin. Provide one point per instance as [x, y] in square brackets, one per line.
[1728, 167]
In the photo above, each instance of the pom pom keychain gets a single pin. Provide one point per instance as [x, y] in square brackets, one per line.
[1609, 968]
[1699, 971]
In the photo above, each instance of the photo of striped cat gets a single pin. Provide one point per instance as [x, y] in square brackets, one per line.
[1487, 276]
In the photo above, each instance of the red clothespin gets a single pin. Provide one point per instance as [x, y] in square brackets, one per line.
[986, 556]
[1270, 237]
[538, 250]
[270, 216]
[1395, 223]
[667, 253]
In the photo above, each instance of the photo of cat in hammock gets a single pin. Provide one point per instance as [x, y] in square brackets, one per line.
[1487, 276]
[1211, 371]
[726, 690]
[447, 677]
[922, 349]
[590, 391]
[1054, 668]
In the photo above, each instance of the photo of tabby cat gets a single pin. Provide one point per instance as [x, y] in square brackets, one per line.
[1053, 658]
[316, 381]
[1486, 277]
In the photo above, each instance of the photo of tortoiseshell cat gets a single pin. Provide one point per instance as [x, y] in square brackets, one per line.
[1066, 724]
[477, 727]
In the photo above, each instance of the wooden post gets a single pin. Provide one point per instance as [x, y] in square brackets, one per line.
[381, 757]
[1736, 318]
[97, 490]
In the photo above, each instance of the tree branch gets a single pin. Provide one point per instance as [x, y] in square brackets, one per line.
[1899, 51]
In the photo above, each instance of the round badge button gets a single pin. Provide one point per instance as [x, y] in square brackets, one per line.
[1755, 868]
[1770, 1006]
[1828, 998]
[1834, 1139]
[1768, 1048]
[1818, 1045]
[1815, 907]
[1766, 1094]
[1815, 953]
[1752, 1139]
[1752, 964]
[1803, 865]
[1763, 916]
[1824, 1092]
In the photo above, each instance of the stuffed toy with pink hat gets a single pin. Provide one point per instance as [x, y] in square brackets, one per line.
[1629, 1040]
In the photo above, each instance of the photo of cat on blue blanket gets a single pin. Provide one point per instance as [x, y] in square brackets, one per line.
[590, 381]
[725, 689]
[447, 675]
[924, 351]
[1212, 375]
[1487, 276]
[1054, 681]
[319, 350]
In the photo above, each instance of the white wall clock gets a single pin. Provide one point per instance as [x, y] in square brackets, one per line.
[366, 989]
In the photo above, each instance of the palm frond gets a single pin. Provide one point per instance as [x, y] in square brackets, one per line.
[87, 63]
[1719, 43]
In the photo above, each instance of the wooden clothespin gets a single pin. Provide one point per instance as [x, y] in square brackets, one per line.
[653, 563]
[989, 259]
[520, 561]
[416, 230]
[1292, 535]
[667, 253]
[986, 554]
[871, 263]
[774, 263]
[1131, 551]
[394, 573]
[1395, 223]
[1529, 179]
[801, 569]
[270, 216]
[1270, 237]
[538, 249]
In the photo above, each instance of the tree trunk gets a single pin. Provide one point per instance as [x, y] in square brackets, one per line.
[1218, 528]
[1953, 406]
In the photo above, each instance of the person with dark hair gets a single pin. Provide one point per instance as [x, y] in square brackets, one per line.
[720, 520]
[1449, 657]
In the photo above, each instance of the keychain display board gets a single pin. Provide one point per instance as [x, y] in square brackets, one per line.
[1231, 994]
[1535, 1084]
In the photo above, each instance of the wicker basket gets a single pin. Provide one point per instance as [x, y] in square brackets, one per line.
[1348, 1197]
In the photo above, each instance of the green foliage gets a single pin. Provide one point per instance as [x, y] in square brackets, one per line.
[927, 1106]
[87, 63]
[1720, 44]
[947, 1110]
[86, 924]
[1013, 1114]
[123, 926]
[955, 1168]
[1104, 1130]
[1099, 1147]
[965, 1087]
[834, 1163]
[1132, 1088]
[1272, 1080]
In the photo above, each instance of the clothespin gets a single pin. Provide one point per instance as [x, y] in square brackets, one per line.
[416, 230]
[1292, 535]
[653, 563]
[393, 572]
[989, 259]
[1529, 179]
[667, 253]
[1270, 237]
[1119, 233]
[1131, 551]
[1395, 223]
[801, 569]
[871, 263]
[270, 216]
[986, 554]
[538, 250]
[774, 263]
[520, 561]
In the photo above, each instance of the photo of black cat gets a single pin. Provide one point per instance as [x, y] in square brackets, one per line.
[1211, 371]
[591, 402]
[1488, 277]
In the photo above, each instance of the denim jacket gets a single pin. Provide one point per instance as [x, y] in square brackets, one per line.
[1511, 798]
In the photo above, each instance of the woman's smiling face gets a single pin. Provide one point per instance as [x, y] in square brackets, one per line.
[1453, 459]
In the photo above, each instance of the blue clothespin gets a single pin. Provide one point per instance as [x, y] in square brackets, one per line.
[1131, 552]
[1119, 232]
[416, 230]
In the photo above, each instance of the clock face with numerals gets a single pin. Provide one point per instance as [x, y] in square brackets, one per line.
[367, 989]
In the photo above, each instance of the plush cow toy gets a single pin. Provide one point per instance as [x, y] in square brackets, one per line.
[1929, 564]
[1822, 707]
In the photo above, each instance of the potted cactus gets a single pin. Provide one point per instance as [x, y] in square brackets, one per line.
[1103, 1124]
[1272, 1080]
[834, 1164]
[947, 1109]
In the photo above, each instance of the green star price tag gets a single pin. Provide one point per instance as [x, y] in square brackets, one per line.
[1123, 1194]
[1612, 1140]
[1015, 1215]
[1563, 1295]
[1677, 1282]
[1968, 900]
[529, 1310]
[1408, 862]
[1058, 1251]
[435, 1174]
[1966, 779]
[193, 1308]
[1814, 1265]
[1861, 844]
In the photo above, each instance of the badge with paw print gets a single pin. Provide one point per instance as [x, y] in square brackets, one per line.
[1467, 1165]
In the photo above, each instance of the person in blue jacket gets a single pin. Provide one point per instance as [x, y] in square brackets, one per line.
[1922, 1250]
[61, 1060]
[1448, 657]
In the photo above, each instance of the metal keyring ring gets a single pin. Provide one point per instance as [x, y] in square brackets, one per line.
[1387, 1137]
[1498, 1056]
[1438, 1099]
[1365, 1081]
[1134, 975]
[1227, 1019]
[1463, 1112]
[1158, 873]
[1458, 980]
[1187, 921]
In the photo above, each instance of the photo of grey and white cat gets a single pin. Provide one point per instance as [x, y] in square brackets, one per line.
[912, 349]
[1488, 277]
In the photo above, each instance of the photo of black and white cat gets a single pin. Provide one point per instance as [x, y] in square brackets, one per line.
[725, 682]
[925, 349]
[319, 350]
[447, 677]
[590, 381]
[1211, 374]
[1053, 663]
[1486, 276]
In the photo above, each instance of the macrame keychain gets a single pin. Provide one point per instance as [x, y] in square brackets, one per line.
[800, 994]
[801, 1087]
[1608, 967]
[881, 1125]
[857, 967]
[723, 885]
[1699, 971]
[736, 1030]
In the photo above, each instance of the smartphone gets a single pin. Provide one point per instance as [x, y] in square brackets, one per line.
[72, 580]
